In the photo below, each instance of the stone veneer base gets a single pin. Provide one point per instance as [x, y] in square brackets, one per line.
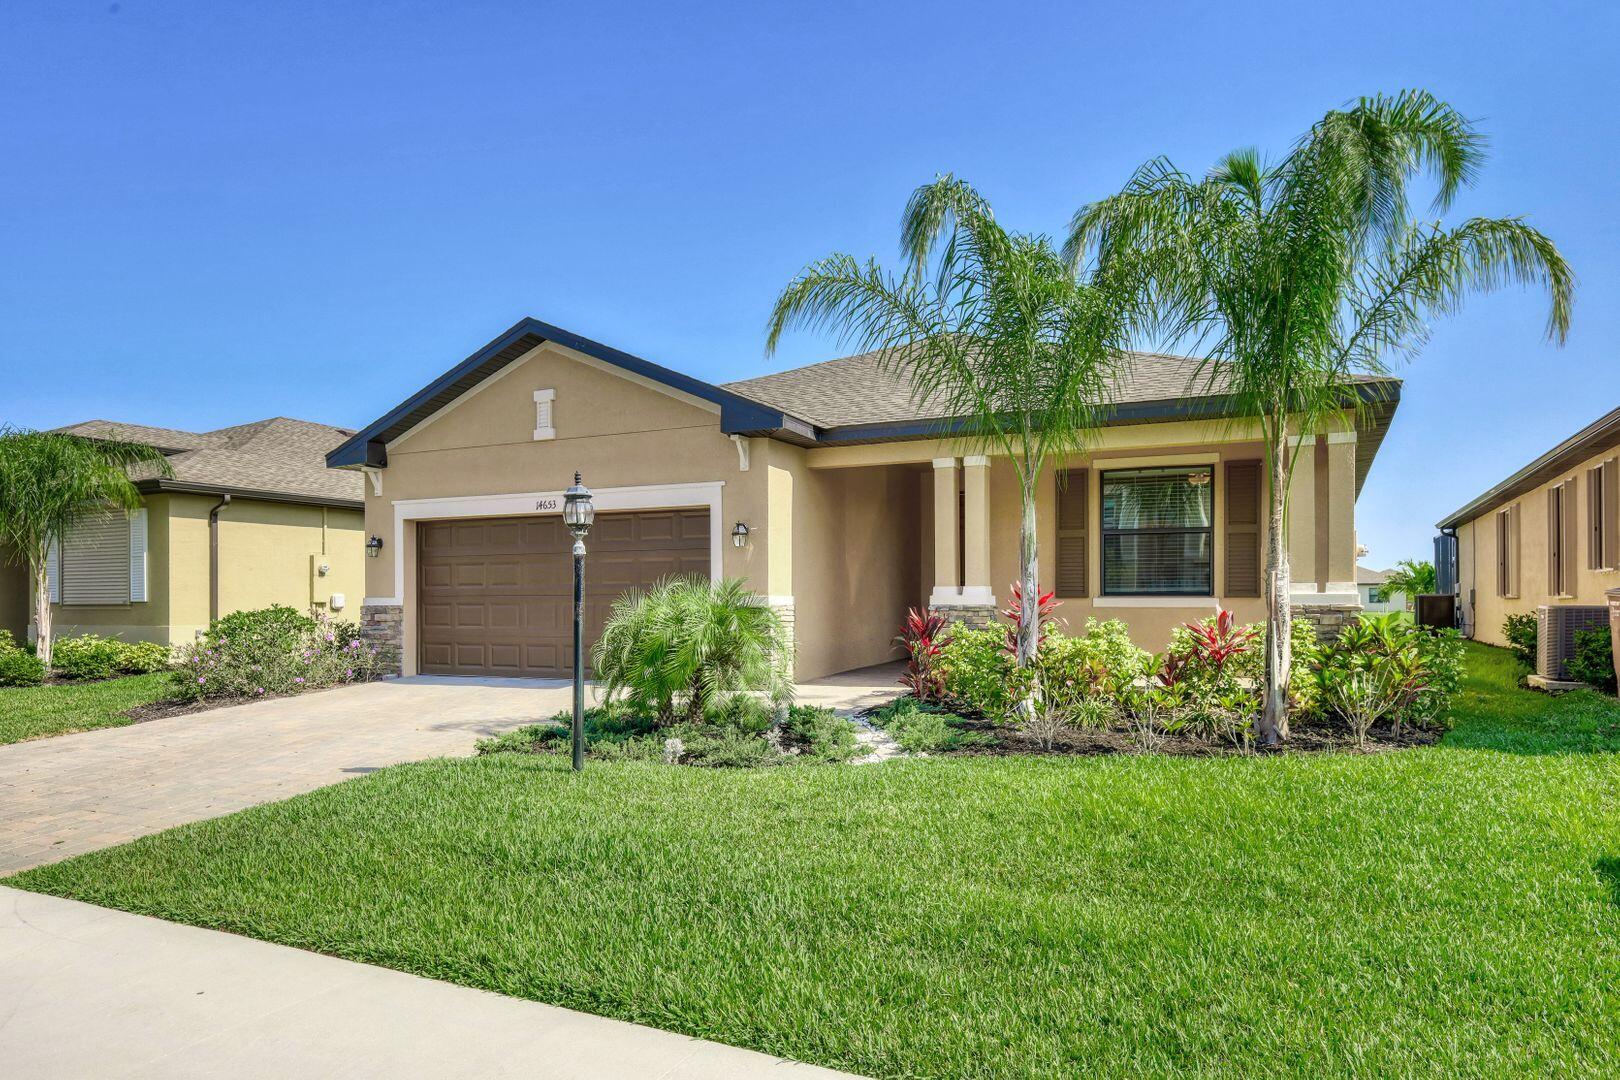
[977, 616]
[383, 626]
[1328, 619]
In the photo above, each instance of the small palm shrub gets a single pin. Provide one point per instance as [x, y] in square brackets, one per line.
[686, 644]
[1593, 661]
[1520, 633]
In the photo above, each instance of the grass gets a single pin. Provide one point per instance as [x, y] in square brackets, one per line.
[34, 712]
[1447, 910]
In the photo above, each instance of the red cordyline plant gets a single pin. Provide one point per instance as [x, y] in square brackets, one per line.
[1045, 605]
[922, 636]
[1215, 643]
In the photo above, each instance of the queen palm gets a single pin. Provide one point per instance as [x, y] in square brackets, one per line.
[1297, 279]
[988, 325]
[47, 482]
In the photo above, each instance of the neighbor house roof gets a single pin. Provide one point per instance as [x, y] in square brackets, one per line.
[279, 459]
[850, 400]
[1366, 576]
[1600, 435]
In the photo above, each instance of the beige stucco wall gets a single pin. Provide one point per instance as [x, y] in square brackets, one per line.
[621, 432]
[854, 568]
[1322, 518]
[842, 534]
[265, 552]
[1483, 610]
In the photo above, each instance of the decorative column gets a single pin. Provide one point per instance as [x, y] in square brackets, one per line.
[947, 589]
[971, 601]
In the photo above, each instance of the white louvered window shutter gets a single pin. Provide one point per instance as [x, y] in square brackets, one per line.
[53, 571]
[544, 428]
[95, 559]
[137, 556]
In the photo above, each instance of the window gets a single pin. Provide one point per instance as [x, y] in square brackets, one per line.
[101, 560]
[1375, 595]
[1157, 531]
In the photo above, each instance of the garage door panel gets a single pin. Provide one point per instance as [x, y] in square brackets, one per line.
[496, 595]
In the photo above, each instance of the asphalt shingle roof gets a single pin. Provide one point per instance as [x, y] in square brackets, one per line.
[279, 456]
[856, 389]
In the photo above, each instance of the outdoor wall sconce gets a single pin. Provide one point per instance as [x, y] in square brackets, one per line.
[739, 535]
[373, 546]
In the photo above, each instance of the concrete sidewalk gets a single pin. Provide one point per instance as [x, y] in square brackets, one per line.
[90, 992]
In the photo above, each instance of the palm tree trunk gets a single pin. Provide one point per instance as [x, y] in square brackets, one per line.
[1029, 615]
[1279, 628]
[42, 612]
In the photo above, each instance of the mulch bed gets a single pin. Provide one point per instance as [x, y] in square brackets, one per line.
[1308, 737]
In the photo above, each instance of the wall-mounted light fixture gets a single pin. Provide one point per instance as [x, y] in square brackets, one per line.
[739, 535]
[373, 546]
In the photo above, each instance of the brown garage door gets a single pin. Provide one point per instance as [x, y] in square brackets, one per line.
[496, 594]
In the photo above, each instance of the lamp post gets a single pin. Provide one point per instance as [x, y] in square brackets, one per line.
[578, 513]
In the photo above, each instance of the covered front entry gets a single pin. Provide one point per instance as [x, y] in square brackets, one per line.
[496, 594]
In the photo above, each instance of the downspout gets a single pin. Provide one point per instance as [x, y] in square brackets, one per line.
[213, 558]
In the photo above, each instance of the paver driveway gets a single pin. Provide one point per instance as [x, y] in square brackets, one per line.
[70, 794]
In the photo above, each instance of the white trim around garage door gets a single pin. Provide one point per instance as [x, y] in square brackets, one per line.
[535, 503]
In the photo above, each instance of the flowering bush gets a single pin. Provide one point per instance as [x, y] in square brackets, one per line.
[257, 654]
[1045, 604]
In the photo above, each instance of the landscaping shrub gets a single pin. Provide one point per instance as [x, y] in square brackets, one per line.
[922, 637]
[1593, 662]
[921, 728]
[676, 650]
[1520, 632]
[88, 656]
[19, 667]
[142, 657]
[737, 734]
[974, 668]
[276, 626]
[272, 651]
[1419, 669]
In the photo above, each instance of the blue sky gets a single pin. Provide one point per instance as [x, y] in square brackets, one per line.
[216, 212]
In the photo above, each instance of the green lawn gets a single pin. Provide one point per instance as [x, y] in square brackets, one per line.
[34, 712]
[1447, 910]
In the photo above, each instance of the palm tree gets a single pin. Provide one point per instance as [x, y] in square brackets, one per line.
[1411, 579]
[686, 643]
[47, 482]
[1298, 279]
[1016, 349]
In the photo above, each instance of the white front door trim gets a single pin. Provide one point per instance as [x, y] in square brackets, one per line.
[539, 503]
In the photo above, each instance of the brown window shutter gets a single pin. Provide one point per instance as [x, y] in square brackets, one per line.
[1555, 520]
[1568, 537]
[1501, 552]
[1595, 553]
[1514, 548]
[1243, 511]
[1073, 517]
[1610, 525]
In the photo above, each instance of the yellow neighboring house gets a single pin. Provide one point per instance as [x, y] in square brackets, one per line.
[1547, 535]
[250, 517]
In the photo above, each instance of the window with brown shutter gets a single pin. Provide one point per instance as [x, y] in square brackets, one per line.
[1507, 551]
[1561, 538]
[1243, 510]
[1603, 515]
[1073, 515]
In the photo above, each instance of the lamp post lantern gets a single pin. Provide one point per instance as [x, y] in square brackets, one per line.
[578, 513]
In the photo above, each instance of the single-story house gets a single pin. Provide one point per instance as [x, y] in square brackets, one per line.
[1374, 597]
[251, 516]
[828, 489]
[1549, 534]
